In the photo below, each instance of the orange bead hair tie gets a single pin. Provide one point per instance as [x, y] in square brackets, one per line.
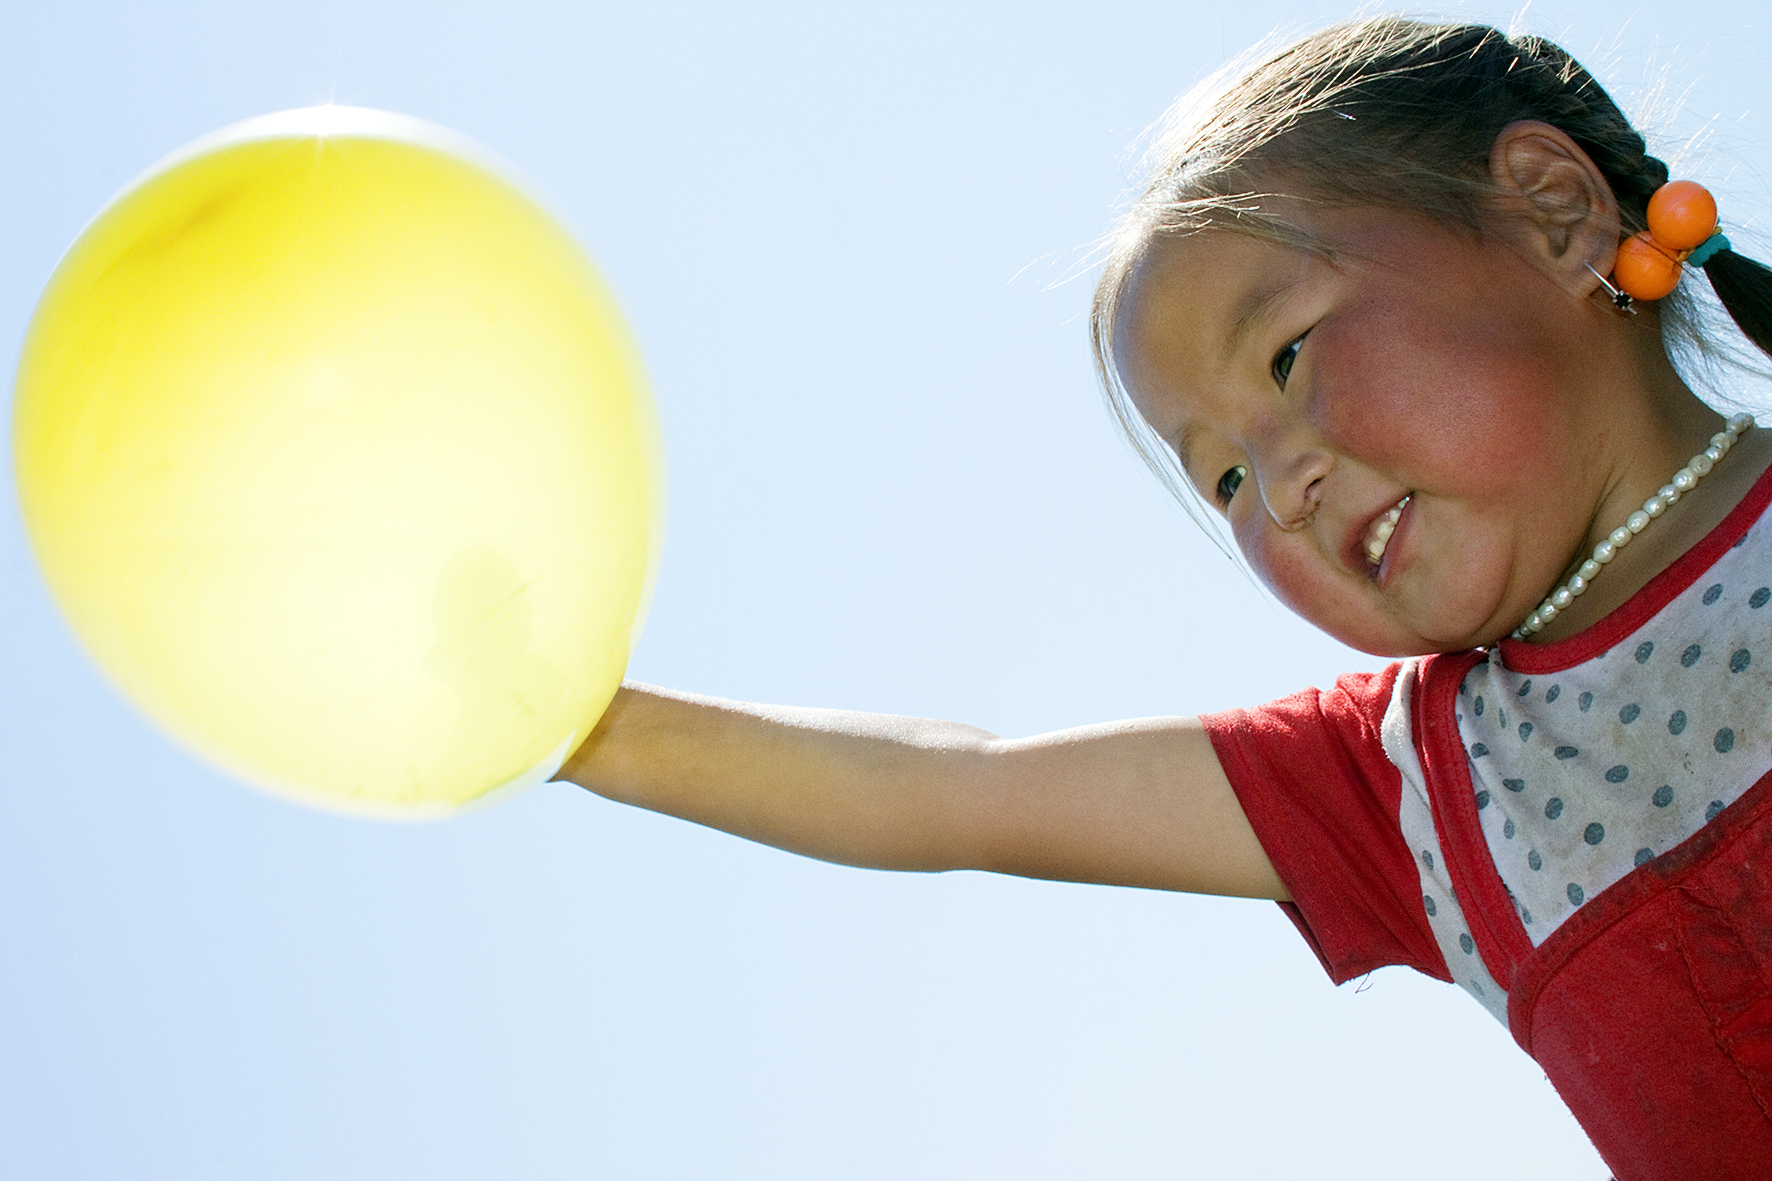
[1682, 230]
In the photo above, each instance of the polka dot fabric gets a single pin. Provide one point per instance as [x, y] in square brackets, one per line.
[1583, 775]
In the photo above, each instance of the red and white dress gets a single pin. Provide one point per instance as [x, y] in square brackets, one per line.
[1578, 833]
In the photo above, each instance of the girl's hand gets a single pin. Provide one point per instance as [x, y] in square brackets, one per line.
[1139, 803]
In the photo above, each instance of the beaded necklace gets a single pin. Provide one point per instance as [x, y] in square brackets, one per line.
[1686, 479]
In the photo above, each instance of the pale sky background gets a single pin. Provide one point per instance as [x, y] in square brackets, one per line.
[840, 233]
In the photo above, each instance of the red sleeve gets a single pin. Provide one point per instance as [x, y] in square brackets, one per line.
[1313, 778]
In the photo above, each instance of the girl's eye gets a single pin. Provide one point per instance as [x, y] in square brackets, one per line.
[1230, 482]
[1283, 362]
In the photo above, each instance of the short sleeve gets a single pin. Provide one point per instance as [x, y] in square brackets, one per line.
[1312, 776]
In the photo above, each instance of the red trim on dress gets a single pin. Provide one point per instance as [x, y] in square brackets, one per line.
[1488, 909]
[1658, 592]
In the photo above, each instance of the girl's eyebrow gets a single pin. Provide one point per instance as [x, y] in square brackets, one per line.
[1255, 308]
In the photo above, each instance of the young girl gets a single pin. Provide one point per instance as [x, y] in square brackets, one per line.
[1370, 307]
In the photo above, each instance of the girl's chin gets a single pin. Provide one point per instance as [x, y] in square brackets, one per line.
[1449, 627]
[1427, 604]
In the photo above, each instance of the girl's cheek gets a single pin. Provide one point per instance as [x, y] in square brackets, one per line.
[1414, 396]
[1374, 393]
[1301, 586]
[1295, 574]
[1282, 573]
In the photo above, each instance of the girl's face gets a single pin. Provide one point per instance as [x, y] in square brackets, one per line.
[1399, 434]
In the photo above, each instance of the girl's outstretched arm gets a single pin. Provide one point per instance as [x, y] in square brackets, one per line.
[1140, 803]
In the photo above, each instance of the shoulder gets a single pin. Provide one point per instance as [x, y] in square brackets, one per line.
[1349, 714]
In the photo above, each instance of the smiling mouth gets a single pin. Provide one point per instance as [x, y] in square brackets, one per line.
[1378, 534]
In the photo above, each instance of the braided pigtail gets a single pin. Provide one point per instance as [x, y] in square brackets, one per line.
[1581, 107]
[1745, 289]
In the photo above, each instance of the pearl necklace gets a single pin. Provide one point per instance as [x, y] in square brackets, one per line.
[1684, 481]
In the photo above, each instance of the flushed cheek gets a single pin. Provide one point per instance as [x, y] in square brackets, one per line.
[1336, 606]
[1300, 576]
[1428, 403]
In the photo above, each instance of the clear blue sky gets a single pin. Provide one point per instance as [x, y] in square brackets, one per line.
[842, 234]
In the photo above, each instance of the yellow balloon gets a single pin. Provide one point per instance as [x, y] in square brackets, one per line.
[338, 457]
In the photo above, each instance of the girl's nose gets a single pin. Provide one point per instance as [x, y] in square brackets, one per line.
[1292, 485]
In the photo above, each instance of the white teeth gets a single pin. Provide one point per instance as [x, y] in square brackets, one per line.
[1379, 536]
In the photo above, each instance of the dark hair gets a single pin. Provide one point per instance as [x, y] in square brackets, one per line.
[1744, 288]
[1394, 113]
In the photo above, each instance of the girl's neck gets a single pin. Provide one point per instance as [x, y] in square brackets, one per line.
[1678, 529]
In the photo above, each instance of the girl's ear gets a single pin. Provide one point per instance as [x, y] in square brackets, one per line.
[1555, 203]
